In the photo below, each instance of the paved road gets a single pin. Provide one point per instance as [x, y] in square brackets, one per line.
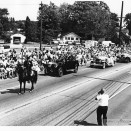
[61, 101]
[119, 113]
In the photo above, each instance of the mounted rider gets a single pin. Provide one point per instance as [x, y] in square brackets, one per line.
[28, 65]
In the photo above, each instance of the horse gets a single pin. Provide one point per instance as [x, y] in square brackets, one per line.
[26, 75]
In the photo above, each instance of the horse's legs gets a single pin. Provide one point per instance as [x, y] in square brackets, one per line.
[20, 87]
[24, 85]
[32, 85]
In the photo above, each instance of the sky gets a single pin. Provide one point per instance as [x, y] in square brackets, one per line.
[20, 9]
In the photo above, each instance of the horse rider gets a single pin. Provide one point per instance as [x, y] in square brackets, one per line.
[28, 65]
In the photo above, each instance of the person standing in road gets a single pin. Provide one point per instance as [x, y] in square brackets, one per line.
[102, 109]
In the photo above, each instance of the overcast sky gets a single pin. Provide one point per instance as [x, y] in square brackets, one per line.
[19, 9]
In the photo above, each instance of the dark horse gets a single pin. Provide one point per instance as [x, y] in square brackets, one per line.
[25, 75]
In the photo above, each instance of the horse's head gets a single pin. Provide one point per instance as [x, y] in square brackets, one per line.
[20, 69]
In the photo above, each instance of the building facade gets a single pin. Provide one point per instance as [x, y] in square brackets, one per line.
[69, 38]
[17, 38]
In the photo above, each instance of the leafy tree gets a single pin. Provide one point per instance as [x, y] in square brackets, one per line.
[85, 18]
[4, 19]
[12, 24]
[113, 28]
[127, 21]
[28, 29]
[50, 21]
[4, 24]
[33, 31]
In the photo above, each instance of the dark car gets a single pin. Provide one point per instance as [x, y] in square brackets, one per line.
[61, 66]
[124, 57]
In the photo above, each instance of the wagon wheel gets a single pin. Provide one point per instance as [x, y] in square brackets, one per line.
[127, 60]
[76, 68]
[103, 65]
[60, 71]
[46, 71]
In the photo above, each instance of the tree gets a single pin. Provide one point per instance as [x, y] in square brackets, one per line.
[12, 24]
[113, 25]
[4, 24]
[85, 18]
[33, 31]
[127, 21]
[3, 21]
[50, 21]
[28, 29]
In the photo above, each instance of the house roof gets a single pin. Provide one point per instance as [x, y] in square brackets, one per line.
[17, 35]
[65, 34]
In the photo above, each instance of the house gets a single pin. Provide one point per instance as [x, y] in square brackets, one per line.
[2, 41]
[90, 43]
[69, 38]
[17, 38]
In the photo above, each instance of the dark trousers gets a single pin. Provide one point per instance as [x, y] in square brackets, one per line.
[102, 112]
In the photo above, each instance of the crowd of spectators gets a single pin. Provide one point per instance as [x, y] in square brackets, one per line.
[9, 60]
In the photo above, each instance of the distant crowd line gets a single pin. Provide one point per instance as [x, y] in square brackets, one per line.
[9, 60]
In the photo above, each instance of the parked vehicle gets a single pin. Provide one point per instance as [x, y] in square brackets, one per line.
[102, 61]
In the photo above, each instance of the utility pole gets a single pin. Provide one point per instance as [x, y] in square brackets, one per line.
[121, 23]
[41, 7]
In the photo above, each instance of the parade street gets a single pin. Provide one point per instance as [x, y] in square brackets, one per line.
[68, 100]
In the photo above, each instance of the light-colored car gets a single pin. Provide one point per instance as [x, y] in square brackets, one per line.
[102, 61]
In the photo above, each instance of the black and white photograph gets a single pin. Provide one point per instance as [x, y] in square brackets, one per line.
[65, 63]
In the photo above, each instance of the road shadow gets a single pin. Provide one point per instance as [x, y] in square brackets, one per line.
[51, 74]
[13, 91]
[42, 74]
[84, 123]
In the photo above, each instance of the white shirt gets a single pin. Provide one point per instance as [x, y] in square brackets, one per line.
[103, 99]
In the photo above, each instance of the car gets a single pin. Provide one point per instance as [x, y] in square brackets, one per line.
[60, 67]
[124, 57]
[102, 61]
